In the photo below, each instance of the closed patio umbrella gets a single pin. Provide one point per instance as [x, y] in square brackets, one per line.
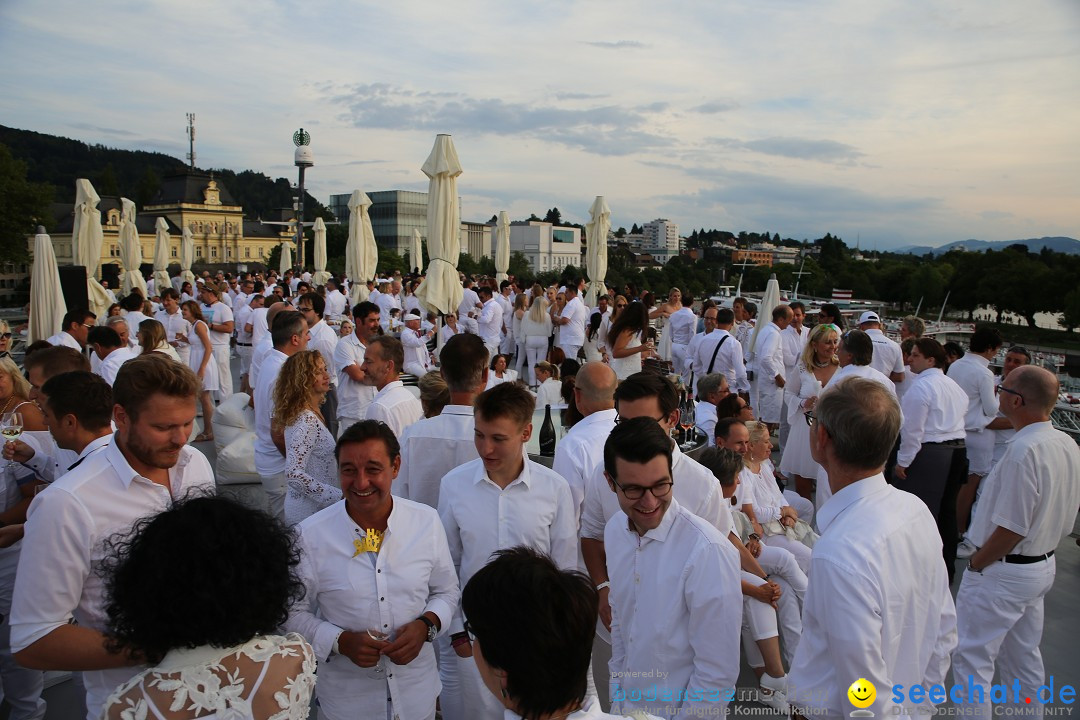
[441, 291]
[130, 250]
[187, 257]
[162, 242]
[361, 252]
[502, 246]
[320, 276]
[769, 301]
[596, 254]
[416, 252]
[87, 239]
[286, 256]
[47, 305]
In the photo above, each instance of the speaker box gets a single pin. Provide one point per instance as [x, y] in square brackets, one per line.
[73, 285]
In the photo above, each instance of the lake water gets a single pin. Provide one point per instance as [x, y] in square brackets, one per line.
[1043, 320]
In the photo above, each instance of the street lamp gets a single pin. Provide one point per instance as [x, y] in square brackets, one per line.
[303, 159]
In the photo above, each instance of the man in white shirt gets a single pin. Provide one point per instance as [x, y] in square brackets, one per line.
[432, 447]
[336, 302]
[325, 340]
[768, 366]
[290, 335]
[110, 350]
[878, 605]
[675, 589]
[75, 325]
[888, 359]
[711, 390]
[682, 324]
[245, 328]
[470, 301]
[174, 323]
[489, 321]
[354, 395]
[392, 404]
[145, 466]
[932, 460]
[498, 501]
[855, 352]
[132, 306]
[717, 350]
[506, 302]
[219, 320]
[792, 340]
[1027, 506]
[387, 300]
[580, 451]
[414, 342]
[572, 321]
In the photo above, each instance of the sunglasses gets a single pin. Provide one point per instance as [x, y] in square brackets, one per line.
[6, 336]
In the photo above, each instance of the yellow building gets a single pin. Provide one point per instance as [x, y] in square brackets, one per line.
[222, 236]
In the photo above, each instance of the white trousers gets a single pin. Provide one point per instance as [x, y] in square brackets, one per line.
[804, 507]
[796, 548]
[519, 358]
[761, 621]
[415, 368]
[679, 363]
[275, 489]
[221, 357]
[770, 401]
[536, 349]
[344, 423]
[571, 351]
[22, 687]
[999, 621]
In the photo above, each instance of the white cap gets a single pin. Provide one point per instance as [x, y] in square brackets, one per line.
[869, 316]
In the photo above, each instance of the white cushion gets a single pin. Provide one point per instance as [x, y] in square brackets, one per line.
[236, 462]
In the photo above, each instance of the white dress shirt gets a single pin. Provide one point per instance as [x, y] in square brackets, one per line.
[695, 488]
[934, 409]
[863, 371]
[681, 325]
[1033, 491]
[259, 329]
[175, 324]
[888, 358]
[417, 357]
[676, 608]
[573, 333]
[50, 461]
[353, 396]
[536, 509]
[268, 459]
[242, 320]
[878, 605]
[793, 342]
[335, 304]
[66, 529]
[549, 392]
[65, 338]
[133, 318]
[396, 407]
[769, 354]
[972, 374]
[411, 574]
[110, 365]
[489, 323]
[729, 359]
[218, 314]
[469, 301]
[581, 451]
[432, 447]
[325, 340]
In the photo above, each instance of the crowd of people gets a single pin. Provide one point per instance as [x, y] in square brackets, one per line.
[413, 557]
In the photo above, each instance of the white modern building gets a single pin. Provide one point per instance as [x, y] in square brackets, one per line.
[661, 235]
[547, 247]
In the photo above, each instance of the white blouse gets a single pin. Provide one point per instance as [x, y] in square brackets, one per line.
[549, 393]
[310, 469]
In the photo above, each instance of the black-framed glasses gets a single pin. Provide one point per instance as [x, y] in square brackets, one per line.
[469, 630]
[6, 336]
[1003, 389]
[620, 419]
[811, 418]
[635, 492]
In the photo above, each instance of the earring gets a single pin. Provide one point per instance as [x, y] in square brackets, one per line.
[503, 691]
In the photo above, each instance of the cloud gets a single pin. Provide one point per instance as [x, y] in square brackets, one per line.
[618, 45]
[578, 96]
[793, 147]
[365, 162]
[995, 215]
[103, 130]
[603, 129]
[712, 108]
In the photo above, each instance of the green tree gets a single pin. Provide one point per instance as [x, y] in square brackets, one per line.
[106, 184]
[25, 205]
[553, 216]
[1070, 319]
[147, 188]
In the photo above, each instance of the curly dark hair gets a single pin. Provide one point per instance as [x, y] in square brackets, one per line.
[206, 571]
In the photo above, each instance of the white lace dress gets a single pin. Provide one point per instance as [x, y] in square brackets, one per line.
[210, 380]
[267, 678]
[310, 472]
[624, 367]
[796, 459]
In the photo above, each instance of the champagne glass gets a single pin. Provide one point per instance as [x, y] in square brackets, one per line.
[686, 420]
[379, 634]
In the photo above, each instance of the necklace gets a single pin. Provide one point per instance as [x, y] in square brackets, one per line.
[7, 404]
[820, 365]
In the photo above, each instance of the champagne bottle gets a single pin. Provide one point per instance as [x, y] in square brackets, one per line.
[547, 434]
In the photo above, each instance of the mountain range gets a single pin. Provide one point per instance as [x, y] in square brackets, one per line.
[1067, 245]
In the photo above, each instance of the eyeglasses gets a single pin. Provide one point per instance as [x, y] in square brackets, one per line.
[87, 326]
[1003, 389]
[6, 336]
[811, 418]
[620, 305]
[620, 419]
[635, 492]
[469, 630]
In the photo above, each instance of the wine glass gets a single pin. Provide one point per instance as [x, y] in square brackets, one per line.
[686, 421]
[379, 634]
[11, 425]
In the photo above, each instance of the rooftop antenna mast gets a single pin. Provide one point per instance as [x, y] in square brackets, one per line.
[798, 277]
[191, 139]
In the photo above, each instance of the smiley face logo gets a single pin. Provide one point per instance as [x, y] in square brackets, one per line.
[862, 693]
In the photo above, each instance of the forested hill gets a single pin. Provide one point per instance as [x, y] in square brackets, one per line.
[135, 174]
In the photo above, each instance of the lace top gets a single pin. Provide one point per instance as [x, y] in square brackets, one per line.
[309, 468]
[267, 678]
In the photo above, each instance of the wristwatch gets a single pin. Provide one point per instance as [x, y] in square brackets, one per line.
[432, 631]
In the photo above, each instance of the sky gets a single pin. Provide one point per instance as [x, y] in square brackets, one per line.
[888, 123]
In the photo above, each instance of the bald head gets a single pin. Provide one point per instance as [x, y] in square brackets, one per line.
[275, 309]
[594, 388]
[1039, 388]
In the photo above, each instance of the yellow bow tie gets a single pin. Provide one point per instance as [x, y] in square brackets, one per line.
[369, 543]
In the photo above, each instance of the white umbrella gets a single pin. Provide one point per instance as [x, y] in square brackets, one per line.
[286, 256]
[416, 252]
[162, 241]
[47, 305]
[441, 291]
[130, 250]
[361, 252]
[769, 301]
[187, 257]
[596, 253]
[87, 239]
[321, 276]
[502, 246]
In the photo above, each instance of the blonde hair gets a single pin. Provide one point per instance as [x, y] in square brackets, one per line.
[20, 387]
[434, 394]
[816, 335]
[293, 393]
[548, 368]
[538, 309]
[758, 430]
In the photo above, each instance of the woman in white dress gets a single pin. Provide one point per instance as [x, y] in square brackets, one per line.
[625, 340]
[310, 472]
[227, 575]
[151, 338]
[666, 310]
[815, 369]
[536, 329]
[521, 307]
[499, 373]
[201, 360]
[549, 389]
